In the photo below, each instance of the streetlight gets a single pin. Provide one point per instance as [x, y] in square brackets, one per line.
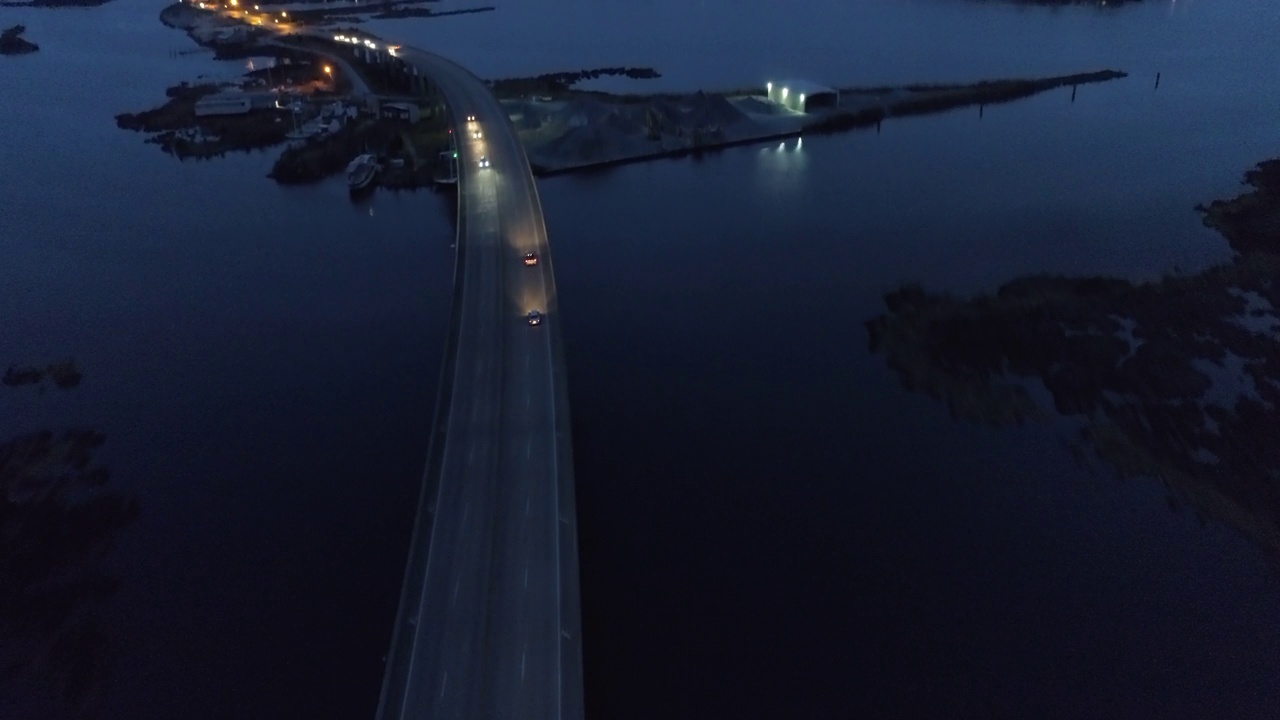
[328, 70]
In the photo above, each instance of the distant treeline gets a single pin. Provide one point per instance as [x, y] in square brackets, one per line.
[559, 82]
[428, 12]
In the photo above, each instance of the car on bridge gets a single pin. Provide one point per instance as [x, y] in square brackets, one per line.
[475, 134]
[534, 317]
[484, 161]
[471, 118]
[531, 258]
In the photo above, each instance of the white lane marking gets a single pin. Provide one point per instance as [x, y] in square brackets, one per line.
[444, 684]
[455, 591]
[466, 508]
[526, 574]
[523, 656]
[535, 215]
[528, 449]
[527, 499]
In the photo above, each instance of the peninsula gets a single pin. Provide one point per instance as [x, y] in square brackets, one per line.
[12, 42]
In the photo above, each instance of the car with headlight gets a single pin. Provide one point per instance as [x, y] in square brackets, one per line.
[534, 317]
[531, 258]
[484, 161]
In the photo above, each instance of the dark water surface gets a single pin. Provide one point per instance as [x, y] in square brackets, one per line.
[262, 363]
[771, 526]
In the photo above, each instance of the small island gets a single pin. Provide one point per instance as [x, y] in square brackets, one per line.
[12, 42]
[1176, 379]
[59, 521]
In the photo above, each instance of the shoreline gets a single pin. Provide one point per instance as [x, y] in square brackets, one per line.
[563, 129]
[1176, 379]
[911, 100]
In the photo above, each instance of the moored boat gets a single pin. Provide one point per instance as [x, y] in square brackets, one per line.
[362, 171]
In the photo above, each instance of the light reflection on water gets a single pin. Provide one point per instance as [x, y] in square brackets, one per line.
[232, 328]
[780, 169]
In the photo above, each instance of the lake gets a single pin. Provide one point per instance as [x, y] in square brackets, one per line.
[770, 524]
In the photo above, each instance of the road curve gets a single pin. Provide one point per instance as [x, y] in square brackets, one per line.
[489, 619]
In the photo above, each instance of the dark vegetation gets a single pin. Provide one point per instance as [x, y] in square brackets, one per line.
[428, 12]
[57, 523]
[557, 83]
[317, 158]
[1062, 3]
[178, 112]
[1251, 222]
[417, 145]
[252, 130]
[1177, 379]
[921, 99]
[63, 374]
[12, 42]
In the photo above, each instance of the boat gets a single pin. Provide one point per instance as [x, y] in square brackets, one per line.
[362, 171]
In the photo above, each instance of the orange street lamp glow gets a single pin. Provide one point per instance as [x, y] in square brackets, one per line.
[328, 70]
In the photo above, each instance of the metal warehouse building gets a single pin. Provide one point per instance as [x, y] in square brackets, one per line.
[802, 95]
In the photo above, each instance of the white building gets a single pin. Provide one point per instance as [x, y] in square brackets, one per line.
[802, 95]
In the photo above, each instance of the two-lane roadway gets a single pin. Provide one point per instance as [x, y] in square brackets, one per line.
[489, 619]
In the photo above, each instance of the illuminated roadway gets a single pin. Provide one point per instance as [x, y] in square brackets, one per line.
[489, 619]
